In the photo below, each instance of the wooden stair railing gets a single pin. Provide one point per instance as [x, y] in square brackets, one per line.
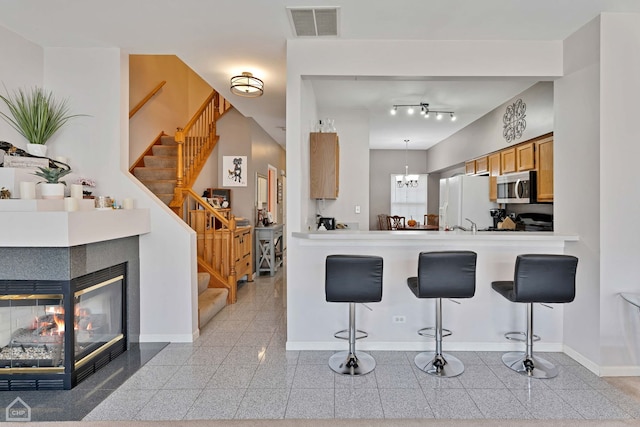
[140, 104]
[216, 241]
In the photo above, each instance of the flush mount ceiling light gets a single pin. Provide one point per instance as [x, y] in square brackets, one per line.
[424, 110]
[246, 85]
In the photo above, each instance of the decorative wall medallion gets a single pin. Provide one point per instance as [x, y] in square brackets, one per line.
[513, 121]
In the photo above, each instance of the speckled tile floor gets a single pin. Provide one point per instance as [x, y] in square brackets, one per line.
[239, 369]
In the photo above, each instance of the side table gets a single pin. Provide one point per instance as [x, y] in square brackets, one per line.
[268, 248]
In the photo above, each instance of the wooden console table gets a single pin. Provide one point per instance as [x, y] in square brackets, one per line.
[268, 248]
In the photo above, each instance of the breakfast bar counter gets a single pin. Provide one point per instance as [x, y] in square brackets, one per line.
[478, 323]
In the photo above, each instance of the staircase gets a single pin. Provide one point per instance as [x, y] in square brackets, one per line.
[159, 171]
[169, 167]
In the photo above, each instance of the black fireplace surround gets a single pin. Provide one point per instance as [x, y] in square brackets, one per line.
[99, 297]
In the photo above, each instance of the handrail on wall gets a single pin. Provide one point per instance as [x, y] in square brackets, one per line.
[146, 98]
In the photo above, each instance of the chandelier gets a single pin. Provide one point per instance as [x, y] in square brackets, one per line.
[246, 85]
[424, 111]
[406, 180]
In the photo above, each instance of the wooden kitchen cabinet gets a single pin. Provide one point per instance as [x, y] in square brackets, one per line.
[493, 161]
[243, 242]
[508, 160]
[525, 156]
[470, 167]
[324, 165]
[544, 168]
[477, 166]
[482, 165]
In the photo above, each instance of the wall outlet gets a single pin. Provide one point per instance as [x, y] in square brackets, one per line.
[357, 209]
[399, 319]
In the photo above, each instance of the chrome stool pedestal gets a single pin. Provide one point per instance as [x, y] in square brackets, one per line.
[347, 362]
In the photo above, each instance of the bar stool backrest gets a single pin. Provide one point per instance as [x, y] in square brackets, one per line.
[447, 274]
[353, 278]
[545, 278]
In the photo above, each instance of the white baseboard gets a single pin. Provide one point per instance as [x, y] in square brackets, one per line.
[603, 371]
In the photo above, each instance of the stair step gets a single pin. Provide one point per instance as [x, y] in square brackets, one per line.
[168, 140]
[203, 281]
[151, 173]
[160, 161]
[164, 186]
[165, 150]
[210, 302]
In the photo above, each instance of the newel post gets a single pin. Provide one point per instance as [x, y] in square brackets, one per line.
[180, 169]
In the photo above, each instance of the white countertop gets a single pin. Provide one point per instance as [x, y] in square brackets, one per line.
[333, 235]
[65, 229]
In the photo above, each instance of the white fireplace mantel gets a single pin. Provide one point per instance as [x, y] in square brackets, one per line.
[65, 229]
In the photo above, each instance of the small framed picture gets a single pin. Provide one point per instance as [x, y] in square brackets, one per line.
[221, 197]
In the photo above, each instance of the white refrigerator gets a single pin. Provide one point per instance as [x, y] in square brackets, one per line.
[463, 197]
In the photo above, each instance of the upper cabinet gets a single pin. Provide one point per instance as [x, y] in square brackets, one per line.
[544, 168]
[508, 160]
[525, 156]
[324, 165]
[477, 166]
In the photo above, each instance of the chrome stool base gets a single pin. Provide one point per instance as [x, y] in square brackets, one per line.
[346, 363]
[532, 366]
[444, 365]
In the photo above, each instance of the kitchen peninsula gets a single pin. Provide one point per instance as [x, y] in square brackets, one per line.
[478, 323]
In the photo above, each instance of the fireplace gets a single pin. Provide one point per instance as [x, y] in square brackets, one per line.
[56, 333]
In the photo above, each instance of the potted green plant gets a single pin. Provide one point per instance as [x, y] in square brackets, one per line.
[36, 115]
[52, 187]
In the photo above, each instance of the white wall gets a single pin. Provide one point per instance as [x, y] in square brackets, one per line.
[22, 67]
[576, 182]
[619, 249]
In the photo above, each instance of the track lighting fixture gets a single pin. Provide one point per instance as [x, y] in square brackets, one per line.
[424, 110]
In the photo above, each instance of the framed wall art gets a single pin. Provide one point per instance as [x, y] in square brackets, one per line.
[234, 171]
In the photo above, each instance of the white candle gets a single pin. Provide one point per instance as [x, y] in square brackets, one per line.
[70, 204]
[76, 191]
[27, 190]
[127, 203]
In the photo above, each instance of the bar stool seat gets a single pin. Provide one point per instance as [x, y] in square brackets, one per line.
[446, 274]
[538, 278]
[353, 279]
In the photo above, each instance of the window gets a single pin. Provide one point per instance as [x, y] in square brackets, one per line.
[410, 202]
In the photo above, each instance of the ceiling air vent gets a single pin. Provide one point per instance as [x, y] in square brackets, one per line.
[314, 22]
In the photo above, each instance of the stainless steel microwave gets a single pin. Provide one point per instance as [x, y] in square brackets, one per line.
[519, 187]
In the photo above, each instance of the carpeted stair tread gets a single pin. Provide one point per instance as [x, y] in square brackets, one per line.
[160, 161]
[165, 150]
[153, 173]
[168, 140]
[210, 300]
[165, 198]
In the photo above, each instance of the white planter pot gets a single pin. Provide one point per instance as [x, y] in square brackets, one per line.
[52, 191]
[37, 149]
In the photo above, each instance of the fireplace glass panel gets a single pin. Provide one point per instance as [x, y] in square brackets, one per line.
[31, 331]
[98, 316]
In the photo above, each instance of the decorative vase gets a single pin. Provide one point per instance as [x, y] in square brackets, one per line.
[37, 149]
[52, 191]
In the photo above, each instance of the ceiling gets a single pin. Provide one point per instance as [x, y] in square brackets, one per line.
[223, 38]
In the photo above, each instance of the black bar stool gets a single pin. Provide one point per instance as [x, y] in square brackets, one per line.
[353, 279]
[447, 274]
[543, 279]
